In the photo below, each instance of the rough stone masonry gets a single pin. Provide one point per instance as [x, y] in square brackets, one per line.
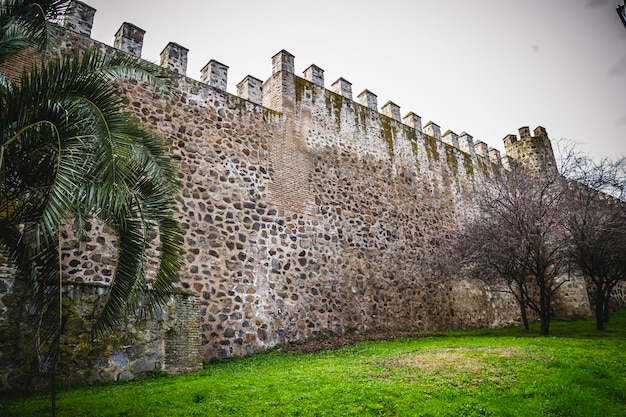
[305, 212]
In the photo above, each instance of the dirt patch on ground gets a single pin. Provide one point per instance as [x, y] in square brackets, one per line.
[470, 359]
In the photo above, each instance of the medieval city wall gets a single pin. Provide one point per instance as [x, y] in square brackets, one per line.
[304, 211]
[307, 212]
[317, 215]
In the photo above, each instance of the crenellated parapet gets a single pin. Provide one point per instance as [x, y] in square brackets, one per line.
[466, 143]
[533, 151]
[392, 110]
[495, 156]
[368, 99]
[251, 89]
[284, 63]
[413, 121]
[432, 129]
[481, 149]
[451, 138]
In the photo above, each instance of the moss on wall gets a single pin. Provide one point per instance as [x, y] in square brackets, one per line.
[360, 114]
[411, 135]
[135, 347]
[483, 167]
[303, 88]
[334, 104]
[453, 162]
[468, 165]
[390, 131]
[431, 148]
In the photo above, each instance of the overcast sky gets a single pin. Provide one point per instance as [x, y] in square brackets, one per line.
[486, 67]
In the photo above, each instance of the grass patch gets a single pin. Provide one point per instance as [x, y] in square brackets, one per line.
[508, 372]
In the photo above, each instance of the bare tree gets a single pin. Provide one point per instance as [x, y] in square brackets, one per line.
[515, 238]
[491, 255]
[596, 223]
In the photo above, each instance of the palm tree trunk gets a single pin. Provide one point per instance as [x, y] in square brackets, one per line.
[53, 380]
[57, 338]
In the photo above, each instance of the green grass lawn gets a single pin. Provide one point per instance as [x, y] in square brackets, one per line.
[574, 372]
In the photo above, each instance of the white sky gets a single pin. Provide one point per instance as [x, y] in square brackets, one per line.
[486, 67]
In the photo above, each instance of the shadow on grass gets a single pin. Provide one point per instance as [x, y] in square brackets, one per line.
[581, 328]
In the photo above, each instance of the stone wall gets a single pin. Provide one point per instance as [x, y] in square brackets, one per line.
[304, 212]
[310, 213]
[618, 297]
[317, 215]
[168, 340]
[572, 298]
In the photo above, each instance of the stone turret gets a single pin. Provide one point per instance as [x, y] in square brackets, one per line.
[315, 74]
[343, 87]
[79, 18]
[368, 99]
[215, 74]
[433, 130]
[129, 38]
[174, 57]
[391, 109]
[283, 61]
[532, 151]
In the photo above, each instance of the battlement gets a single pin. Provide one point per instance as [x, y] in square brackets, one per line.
[79, 18]
[540, 133]
[284, 62]
[304, 210]
[129, 38]
[533, 151]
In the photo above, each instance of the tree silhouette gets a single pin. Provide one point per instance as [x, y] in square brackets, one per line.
[514, 238]
[595, 219]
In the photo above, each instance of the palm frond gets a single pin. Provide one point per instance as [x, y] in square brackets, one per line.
[70, 153]
[25, 23]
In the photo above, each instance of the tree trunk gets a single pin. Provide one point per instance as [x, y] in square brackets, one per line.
[607, 299]
[545, 325]
[53, 393]
[524, 313]
[600, 302]
[544, 315]
[53, 377]
[522, 305]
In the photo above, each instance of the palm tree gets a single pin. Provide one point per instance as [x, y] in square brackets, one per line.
[25, 24]
[69, 154]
